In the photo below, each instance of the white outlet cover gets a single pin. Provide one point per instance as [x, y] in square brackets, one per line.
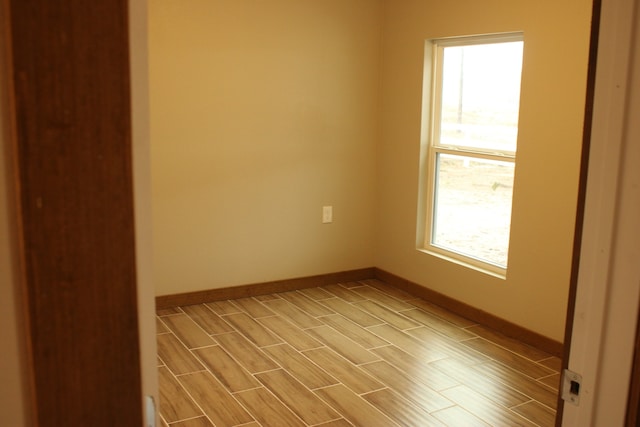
[327, 214]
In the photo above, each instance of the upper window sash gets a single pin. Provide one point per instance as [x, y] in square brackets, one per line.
[441, 130]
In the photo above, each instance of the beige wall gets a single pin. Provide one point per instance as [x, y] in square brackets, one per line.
[138, 45]
[261, 113]
[534, 295]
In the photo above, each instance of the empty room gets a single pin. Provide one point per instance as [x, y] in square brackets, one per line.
[332, 244]
[319, 213]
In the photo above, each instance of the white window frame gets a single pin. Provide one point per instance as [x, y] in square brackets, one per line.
[432, 116]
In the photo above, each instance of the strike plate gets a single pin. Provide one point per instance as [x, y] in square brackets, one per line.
[571, 384]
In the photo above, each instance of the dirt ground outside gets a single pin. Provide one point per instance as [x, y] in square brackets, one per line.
[473, 207]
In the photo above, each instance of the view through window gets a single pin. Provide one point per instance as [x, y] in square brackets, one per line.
[472, 152]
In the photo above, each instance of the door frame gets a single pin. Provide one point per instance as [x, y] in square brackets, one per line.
[124, 394]
[603, 306]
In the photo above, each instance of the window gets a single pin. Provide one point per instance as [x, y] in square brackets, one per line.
[472, 109]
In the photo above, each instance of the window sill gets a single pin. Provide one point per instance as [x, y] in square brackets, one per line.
[478, 266]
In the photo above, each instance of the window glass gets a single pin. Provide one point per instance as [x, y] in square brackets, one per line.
[472, 147]
[481, 96]
[473, 207]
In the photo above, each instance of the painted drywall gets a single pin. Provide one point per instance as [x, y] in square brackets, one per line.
[262, 113]
[535, 291]
[141, 158]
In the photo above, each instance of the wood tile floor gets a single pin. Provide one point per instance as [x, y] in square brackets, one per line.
[352, 354]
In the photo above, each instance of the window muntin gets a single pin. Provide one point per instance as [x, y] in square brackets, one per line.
[471, 155]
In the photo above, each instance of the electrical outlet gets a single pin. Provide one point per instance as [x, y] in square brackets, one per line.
[327, 214]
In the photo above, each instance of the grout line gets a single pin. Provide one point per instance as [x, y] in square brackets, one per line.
[515, 353]
[523, 403]
[215, 344]
[188, 373]
[249, 389]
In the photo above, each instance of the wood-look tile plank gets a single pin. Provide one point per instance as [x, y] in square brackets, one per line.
[290, 333]
[209, 321]
[302, 368]
[342, 292]
[267, 297]
[408, 343]
[440, 343]
[388, 289]
[519, 381]
[494, 390]
[443, 313]
[406, 385]
[316, 293]
[305, 404]
[252, 330]
[188, 331]
[194, 422]
[342, 345]
[553, 363]
[253, 307]
[175, 402]
[552, 381]
[351, 285]
[168, 311]
[343, 370]
[337, 423]
[438, 324]
[245, 352]
[457, 416]
[267, 409]
[401, 410]
[223, 307]
[412, 366]
[293, 313]
[341, 341]
[389, 316]
[484, 408]
[351, 312]
[176, 356]
[354, 408]
[354, 332]
[214, 399]
[384, 299]
[306, 304]
[229, 372]
[510, 344]
[508, 358]
[538, 413]
[160, 327]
